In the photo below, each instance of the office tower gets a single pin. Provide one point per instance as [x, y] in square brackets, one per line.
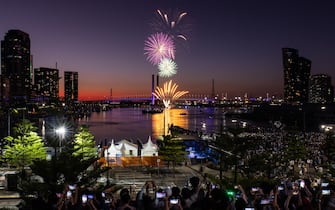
[70, 86]
[16, 65]
[296, 76]
[46, 84]
[4, 91]
[321, 89]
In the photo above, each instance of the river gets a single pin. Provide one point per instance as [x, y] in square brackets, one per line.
[132, 124]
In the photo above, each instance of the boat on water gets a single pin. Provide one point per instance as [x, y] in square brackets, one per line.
[152, 110]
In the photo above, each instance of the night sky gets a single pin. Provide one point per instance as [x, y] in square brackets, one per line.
[236, 43]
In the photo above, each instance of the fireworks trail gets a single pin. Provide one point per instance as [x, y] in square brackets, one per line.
[167, 68]
[174, 23]
[159, 46]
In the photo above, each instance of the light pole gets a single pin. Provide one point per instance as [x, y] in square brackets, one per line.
[61, 134]
[108, 168]
[158, 161]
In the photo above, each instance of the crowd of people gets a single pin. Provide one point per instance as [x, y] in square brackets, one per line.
[198, 194]
[306, 193]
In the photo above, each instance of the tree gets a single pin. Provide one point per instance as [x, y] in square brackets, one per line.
[84, 144]
[172, 150]
[228, 147]
[24, 147]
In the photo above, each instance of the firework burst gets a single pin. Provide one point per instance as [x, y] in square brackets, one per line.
[159, 46]
[168, 93]
[174, 23]
[167, 68]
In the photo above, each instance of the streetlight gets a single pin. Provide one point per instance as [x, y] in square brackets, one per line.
[158, 161]
[61, 134]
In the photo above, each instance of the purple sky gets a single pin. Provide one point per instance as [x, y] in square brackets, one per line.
[236, 43]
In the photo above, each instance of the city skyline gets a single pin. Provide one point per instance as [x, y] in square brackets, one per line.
[236, 44]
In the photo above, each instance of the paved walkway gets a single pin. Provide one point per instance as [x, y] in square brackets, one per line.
[9, 199]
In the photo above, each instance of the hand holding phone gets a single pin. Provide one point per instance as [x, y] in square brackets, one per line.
[174, 201]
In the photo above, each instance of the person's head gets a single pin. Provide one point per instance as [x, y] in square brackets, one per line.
[125, 198]
[194, 181]
[175, 191]
[216, 194]
[124, 191]
[186, 193]
[124, 195]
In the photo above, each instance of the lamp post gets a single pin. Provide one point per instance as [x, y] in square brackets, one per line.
[158, 161]
[108, 168]
[61, 134]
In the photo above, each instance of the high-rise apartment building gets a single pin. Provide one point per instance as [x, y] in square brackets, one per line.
[296, 76]
[16, 66]
[46, 84]
[70, 86]
[321, 90]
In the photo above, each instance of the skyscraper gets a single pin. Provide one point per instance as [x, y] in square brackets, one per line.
[320, 89]
[70, 86]
[46, 84]
[16, 65]
[296, 76]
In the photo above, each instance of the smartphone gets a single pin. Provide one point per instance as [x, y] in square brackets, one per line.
[265, 201]
[174, 201]
[325, 192]
[237, 195]
[249, 208]
[89, 196]
[302, 184]
[254, 189]
[160, 194]
[68, 194]
[324, 184]
[103, 194]
[84, 198]
[72, 187]
[280, 188]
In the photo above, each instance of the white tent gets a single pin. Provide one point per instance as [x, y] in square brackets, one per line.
[149, 149]
[124, 148]
[127, 148]
[112, 150]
